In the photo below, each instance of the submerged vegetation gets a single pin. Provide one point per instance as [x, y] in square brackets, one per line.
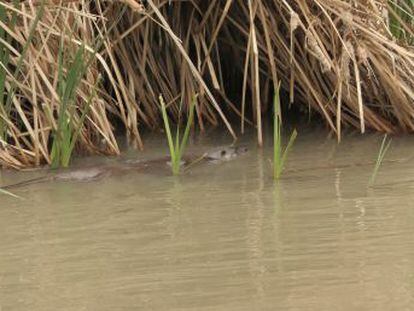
[5, 192]
[351, 63]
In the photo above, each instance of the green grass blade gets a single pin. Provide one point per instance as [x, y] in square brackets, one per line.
[381, 154]
[288, 147]
[177, 145]
[4, 55]
[177, 159]
[177, 141]
[74, 76]
[188, 126]
[277, 143]
[65, 135]
[5, 60]
[167, 129]
[61, 80]
[82, 118]
[55, 153]
[29, 39]
[401, 19]
[279, 157]
[22, 56]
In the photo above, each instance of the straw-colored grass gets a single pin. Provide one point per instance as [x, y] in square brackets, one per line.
[7, 193]
[350, 62]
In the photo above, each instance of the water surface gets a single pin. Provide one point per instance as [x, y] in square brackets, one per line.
[221, 237]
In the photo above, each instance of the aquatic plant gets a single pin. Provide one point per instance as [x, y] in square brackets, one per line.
[69, 124]
[177, 144]
[381, 154]
[279, 156]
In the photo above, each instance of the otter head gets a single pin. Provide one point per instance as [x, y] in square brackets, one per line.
[226, 153]
[241, 150]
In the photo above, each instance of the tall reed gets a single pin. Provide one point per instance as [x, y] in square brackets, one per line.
[6, 103]
[70, 74]
[177, 145]
[5, 39]
[340, 61]
[279, 156]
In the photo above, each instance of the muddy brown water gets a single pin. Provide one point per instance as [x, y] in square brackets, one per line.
[222, 237]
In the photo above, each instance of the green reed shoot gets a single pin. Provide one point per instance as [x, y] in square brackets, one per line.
[401, 19]
[5, 60]
[381, 154]
[4, 52]
[70, 75]
[279, 156]
[177, 146]
[69, 79]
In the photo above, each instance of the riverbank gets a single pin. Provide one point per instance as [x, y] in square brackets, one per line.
[76, 74]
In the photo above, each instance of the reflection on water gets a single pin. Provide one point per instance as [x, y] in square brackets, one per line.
[222, 237]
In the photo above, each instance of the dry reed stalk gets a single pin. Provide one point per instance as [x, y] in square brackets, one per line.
[335, 57]
[34, 107]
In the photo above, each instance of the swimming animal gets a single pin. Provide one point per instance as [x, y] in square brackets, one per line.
[225, 153]
[93, 173]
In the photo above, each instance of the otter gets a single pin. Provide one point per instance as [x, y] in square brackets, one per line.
[225, 154]
[88, 174]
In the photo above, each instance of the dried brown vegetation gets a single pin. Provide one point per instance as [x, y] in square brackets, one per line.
[335, 57]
